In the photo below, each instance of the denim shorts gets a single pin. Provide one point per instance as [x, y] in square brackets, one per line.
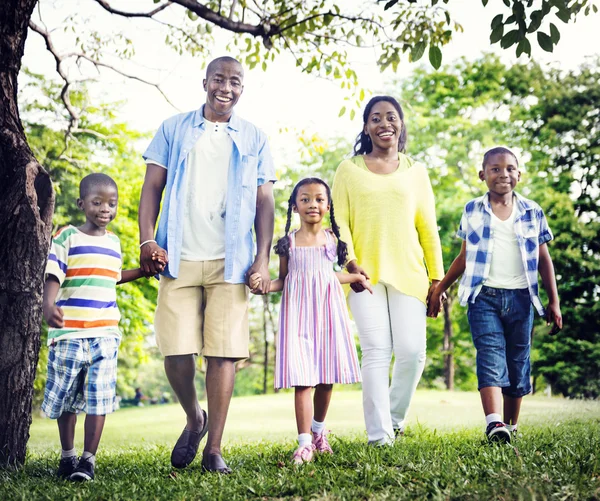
[82, 376]
[501, 322]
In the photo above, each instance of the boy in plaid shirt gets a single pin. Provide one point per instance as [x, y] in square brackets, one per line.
[504, 248]
[80, 307]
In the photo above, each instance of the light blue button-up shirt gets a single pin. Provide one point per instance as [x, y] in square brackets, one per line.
[251, 165]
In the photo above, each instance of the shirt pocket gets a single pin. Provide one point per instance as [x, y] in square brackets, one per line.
[249, 171]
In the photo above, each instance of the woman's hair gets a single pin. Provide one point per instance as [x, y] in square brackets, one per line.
[497, 150]
[363, 142]
[282, 248]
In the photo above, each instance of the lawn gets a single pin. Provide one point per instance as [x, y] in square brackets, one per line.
[442, 456]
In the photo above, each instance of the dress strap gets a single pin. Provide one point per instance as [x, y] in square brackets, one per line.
[292, 237]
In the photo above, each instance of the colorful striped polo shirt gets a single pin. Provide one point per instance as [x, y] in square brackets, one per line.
[88, 269]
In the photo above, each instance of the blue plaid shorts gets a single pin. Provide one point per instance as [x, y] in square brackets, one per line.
[67, 387]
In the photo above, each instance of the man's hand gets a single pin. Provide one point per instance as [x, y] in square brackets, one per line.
[153, 259]
[353, 267]
[553, 316]
[54, 316]
[260, 268]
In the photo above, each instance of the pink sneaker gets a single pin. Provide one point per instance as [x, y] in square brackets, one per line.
[321, 443]
[303, 454]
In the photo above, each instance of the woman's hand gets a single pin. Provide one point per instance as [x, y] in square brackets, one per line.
[435, 299]
[353, 268]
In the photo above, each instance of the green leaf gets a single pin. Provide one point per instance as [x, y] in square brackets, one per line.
[390, 4]
[564, 15]
[417, 51]
[545, 41]
[435, 56]
[509, 39]
[497, 21]
[362, 94]
[524, 47]
[497, 34]
[536, 21]
[342, 111]
[352, 113]
[506, 2]
[264, 66]
[554, 34]
[484, 2]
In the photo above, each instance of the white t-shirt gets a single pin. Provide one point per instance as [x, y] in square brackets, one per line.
[506, 268]
[206, 195]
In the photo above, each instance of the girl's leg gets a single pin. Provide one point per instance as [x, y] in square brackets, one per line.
[66, 430]
[304, 409]
[408, 320]
[322, 398]
[372, 318]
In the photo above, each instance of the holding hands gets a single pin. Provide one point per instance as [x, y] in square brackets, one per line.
[153, 258]
[435, 299]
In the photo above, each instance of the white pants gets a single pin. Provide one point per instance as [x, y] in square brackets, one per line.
[388, 322]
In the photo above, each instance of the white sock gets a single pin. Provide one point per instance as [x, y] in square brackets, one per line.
[89, 456]
[490, 418]
[511, 427]
[304, 439]
[68, 454]
[317, 427]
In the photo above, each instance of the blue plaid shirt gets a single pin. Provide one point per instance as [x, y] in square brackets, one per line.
[251, 165]
[531, 230]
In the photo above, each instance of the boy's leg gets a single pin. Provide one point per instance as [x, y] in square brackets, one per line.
[93, 432]
[485, 321]
[518, 325]
[66, 430]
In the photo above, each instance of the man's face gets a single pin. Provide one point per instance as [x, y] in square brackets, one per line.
[223, 86]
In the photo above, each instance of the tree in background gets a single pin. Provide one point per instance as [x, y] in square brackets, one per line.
[315, 32]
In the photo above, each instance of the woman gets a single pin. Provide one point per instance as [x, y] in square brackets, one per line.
[386, 213]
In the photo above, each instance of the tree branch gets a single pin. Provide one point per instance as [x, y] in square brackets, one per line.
[106, 6]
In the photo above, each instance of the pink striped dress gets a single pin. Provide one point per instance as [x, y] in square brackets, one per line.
[315, 344]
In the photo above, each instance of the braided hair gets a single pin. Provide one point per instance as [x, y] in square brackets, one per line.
[363, 144]
[282, 248]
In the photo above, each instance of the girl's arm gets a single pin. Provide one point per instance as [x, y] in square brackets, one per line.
[354, 278]
[457, 268]
[277, 285]
[546, 270]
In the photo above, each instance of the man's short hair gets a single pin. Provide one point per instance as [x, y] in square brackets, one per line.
[92, 181]
[210, 69]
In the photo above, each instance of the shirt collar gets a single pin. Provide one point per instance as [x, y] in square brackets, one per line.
[522, 205]
[234, 121]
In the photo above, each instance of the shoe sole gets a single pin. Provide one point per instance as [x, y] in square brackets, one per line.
[499, 436]
[80, 477]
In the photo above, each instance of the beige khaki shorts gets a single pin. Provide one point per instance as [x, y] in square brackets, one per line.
[201, 313]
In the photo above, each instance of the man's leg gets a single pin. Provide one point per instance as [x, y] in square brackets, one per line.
[181, 372]
[220, 377]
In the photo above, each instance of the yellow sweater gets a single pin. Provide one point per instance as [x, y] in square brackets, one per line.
[389, 223]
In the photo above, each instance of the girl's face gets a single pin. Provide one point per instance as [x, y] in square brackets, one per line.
[501, 173]
[384, 126]
[311, 203]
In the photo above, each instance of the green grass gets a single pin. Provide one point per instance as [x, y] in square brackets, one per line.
[442, 456]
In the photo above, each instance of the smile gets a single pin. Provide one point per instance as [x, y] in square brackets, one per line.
[386, 133]
[223, 99]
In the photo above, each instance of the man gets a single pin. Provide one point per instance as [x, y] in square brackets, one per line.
[217, 175]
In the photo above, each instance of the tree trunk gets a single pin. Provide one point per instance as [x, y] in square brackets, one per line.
[26, 207]
[448, 345]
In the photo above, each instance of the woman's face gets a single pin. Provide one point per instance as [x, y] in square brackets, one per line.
[384, 126]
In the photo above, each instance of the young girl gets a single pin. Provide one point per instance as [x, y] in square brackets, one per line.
[315, 345]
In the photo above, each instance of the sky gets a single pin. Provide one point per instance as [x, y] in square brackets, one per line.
[282, 97]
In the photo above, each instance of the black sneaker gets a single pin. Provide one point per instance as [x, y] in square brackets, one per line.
[66, 467]
[497, 432]
[84, 471]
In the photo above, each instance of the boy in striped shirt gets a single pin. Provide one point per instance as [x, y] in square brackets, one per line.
[80, 306]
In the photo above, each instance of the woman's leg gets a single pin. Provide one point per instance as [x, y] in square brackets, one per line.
[372, 318]
[408, 321]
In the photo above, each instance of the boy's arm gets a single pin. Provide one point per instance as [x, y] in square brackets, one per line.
[457, 268]
[546, 270]
[52, 313]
